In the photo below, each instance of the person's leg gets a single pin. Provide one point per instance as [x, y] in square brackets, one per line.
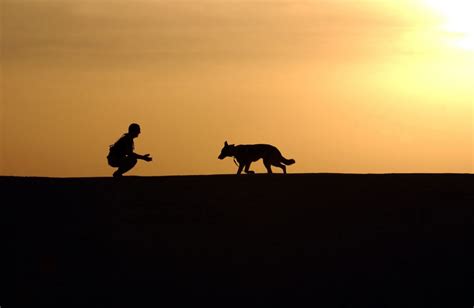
[127, 164]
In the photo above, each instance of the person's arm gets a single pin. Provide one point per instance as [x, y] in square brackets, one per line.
[130, 152]
[145, 157]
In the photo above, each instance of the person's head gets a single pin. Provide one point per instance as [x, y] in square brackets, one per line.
[134, 130]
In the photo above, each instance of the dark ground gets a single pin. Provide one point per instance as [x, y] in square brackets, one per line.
[314, 240]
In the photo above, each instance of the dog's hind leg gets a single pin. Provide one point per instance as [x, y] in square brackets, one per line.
[268, 165]
[280, 165]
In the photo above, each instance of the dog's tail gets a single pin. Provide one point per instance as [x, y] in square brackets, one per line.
[287, 161]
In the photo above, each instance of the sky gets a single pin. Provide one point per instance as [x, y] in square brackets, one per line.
[346, 86]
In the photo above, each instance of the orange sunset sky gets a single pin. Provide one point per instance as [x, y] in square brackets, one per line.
[352, 86]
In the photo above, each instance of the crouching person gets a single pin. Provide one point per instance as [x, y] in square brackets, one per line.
[121, 153]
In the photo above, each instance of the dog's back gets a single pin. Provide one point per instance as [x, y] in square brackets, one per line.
[253, 152]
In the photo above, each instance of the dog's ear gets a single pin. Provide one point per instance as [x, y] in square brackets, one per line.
[225, 143]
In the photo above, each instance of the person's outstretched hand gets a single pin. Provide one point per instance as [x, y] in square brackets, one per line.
[147, 157]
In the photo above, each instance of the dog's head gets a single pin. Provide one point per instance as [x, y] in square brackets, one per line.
[227, 151]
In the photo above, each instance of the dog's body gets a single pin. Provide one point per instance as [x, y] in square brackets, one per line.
[245, 154]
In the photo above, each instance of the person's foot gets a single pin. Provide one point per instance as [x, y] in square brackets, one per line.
[117, 174]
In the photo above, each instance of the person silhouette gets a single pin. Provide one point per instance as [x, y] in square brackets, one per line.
[121, 153]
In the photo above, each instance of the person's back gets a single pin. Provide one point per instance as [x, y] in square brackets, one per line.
[121, 153]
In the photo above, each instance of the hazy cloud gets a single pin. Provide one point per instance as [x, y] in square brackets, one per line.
[209, 29]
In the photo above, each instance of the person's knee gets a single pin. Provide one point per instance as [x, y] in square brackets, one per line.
[127, 164]
[131, 162]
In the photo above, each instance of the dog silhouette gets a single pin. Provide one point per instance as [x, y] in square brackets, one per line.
[245, 154]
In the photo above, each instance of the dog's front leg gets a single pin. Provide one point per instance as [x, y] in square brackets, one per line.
[241, 166]
[247, 167]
